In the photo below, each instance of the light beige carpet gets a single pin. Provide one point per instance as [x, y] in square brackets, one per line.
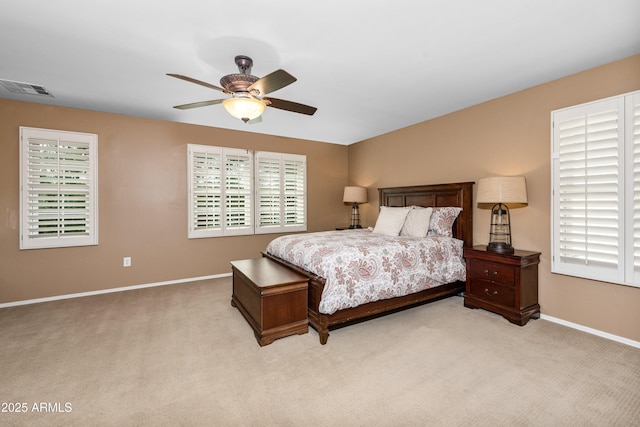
[181, 355]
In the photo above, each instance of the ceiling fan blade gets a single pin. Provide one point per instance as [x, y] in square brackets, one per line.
[290, 106]
[198, 104]
[272, 82]
[198, 82]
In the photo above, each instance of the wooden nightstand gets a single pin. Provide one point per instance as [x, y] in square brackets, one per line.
[506, 284]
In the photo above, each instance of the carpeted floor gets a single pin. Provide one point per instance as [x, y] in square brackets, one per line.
[181, 355]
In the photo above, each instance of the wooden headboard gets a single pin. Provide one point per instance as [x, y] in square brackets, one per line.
[439, 195]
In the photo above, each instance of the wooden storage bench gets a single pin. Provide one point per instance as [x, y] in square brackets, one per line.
[271, 297]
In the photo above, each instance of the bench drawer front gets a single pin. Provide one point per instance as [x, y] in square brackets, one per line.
[285, 308]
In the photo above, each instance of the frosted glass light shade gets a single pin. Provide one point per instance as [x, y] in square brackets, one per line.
[243, 108]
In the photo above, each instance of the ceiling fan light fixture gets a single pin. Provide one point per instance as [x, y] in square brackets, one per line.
[244, 108]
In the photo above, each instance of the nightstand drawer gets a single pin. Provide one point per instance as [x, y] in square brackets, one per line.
[493, 293]
[497, 273]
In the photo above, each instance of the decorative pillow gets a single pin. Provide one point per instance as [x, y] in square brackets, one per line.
[417, 222]
[390, 220]
[441, 221]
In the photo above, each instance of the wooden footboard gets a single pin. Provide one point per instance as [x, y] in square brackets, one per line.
[439, 195]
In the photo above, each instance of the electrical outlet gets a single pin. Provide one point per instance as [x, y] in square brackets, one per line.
[126, 261]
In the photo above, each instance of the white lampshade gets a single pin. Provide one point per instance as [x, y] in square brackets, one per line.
[355, 195]
[244, 108]
[502, 189]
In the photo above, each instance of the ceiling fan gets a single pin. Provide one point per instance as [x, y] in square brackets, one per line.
[248, 92]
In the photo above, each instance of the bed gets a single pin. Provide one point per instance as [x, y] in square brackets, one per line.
[323, 318]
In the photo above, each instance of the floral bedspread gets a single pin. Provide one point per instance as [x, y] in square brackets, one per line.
[360, 266]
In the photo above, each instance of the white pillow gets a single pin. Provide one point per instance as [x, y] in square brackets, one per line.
[390, 220]
[417, 222]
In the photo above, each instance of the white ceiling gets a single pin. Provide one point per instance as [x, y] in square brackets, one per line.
[369, 66]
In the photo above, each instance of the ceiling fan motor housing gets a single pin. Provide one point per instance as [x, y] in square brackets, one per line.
[238, 82]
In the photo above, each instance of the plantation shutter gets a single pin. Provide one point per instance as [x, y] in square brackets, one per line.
[280, 192]
[632, 108]
[268, 190]
[220, 191]
[588, 190]
[205, 214]
[58, 172]
[238, 191]
[295, 191]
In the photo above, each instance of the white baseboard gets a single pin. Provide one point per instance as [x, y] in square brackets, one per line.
[111, 290]
[592, 331]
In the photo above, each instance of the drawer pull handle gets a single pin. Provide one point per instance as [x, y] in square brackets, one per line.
[492, 274]
[491, 294]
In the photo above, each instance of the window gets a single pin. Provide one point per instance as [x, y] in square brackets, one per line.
[222, 188]
[596, 190]
[220, 191]
[281, 189]
[58, 188]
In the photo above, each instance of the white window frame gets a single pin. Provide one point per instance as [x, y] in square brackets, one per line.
[223, 217]
[610, 173]
[59, 188]
[281, 192]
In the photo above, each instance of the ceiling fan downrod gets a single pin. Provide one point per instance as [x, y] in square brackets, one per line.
[244, 64]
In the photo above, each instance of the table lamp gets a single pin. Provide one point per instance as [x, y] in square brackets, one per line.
[502, 191]
[355, 195]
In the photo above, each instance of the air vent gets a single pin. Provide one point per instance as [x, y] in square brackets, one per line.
[25, 88]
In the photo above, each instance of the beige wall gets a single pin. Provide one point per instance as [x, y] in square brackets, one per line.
[508, 136]
[142, 203]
